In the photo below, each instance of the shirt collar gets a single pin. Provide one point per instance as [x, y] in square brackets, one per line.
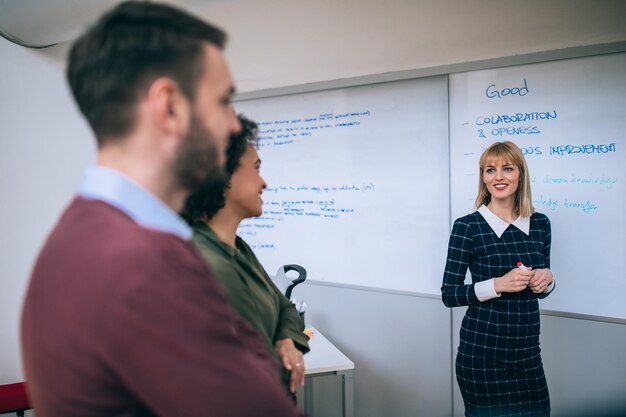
[499, 226]
[116, 189]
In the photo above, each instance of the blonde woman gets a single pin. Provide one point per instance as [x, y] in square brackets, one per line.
[506, 246]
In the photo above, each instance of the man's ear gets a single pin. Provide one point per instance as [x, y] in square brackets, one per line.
[170, 109]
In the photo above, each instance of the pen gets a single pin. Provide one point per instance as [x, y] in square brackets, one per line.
[523, 268]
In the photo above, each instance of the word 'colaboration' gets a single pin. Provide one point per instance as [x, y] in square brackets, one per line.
[516, 118]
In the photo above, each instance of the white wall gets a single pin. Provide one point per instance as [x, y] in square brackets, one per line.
[43, 146]
[44, 143]
[278, 43]
[400, 345]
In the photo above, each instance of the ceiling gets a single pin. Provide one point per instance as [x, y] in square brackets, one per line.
[42, 23]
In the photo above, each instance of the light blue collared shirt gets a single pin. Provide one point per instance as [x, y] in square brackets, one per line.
[116, 189]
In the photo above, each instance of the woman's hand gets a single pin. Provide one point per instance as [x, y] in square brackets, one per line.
[293, 361]
[515, 280]
[540, 279]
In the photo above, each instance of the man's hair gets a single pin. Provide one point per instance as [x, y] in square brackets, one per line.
[204, 204]
[112, 65]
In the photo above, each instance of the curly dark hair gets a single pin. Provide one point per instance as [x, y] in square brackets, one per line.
[204, 204]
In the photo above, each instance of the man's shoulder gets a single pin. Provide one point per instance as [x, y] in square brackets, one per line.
[93, 219]
[111, 262]
[96, 234]
[86, 216]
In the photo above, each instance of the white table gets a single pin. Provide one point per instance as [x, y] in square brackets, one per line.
[325, 359]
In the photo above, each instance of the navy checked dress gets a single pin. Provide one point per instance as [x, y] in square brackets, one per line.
[498, 364]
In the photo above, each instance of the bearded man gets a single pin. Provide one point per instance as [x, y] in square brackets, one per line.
[122, 317]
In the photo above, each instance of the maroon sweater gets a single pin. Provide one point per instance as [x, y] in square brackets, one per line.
[120, 320]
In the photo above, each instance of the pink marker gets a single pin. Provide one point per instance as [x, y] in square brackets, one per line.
[521, 266]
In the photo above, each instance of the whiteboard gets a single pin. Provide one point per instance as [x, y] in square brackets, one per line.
[569, 119]
[358, 184]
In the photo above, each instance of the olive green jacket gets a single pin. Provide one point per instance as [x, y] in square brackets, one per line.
[250, 290]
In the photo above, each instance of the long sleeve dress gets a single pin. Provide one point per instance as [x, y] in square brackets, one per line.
[498, 364]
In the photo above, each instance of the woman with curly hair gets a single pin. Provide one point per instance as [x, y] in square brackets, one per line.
[215, 214]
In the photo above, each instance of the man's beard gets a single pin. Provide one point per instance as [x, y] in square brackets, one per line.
[197, 165]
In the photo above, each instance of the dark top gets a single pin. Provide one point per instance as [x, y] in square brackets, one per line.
[506, 326]
[120, 320]
[250, 290]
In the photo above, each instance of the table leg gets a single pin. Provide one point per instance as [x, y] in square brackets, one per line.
[308, 397]
[347, 392]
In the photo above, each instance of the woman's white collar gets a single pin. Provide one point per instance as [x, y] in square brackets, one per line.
[499, 226]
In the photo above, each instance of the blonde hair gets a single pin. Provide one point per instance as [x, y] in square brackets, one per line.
[504, 152]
